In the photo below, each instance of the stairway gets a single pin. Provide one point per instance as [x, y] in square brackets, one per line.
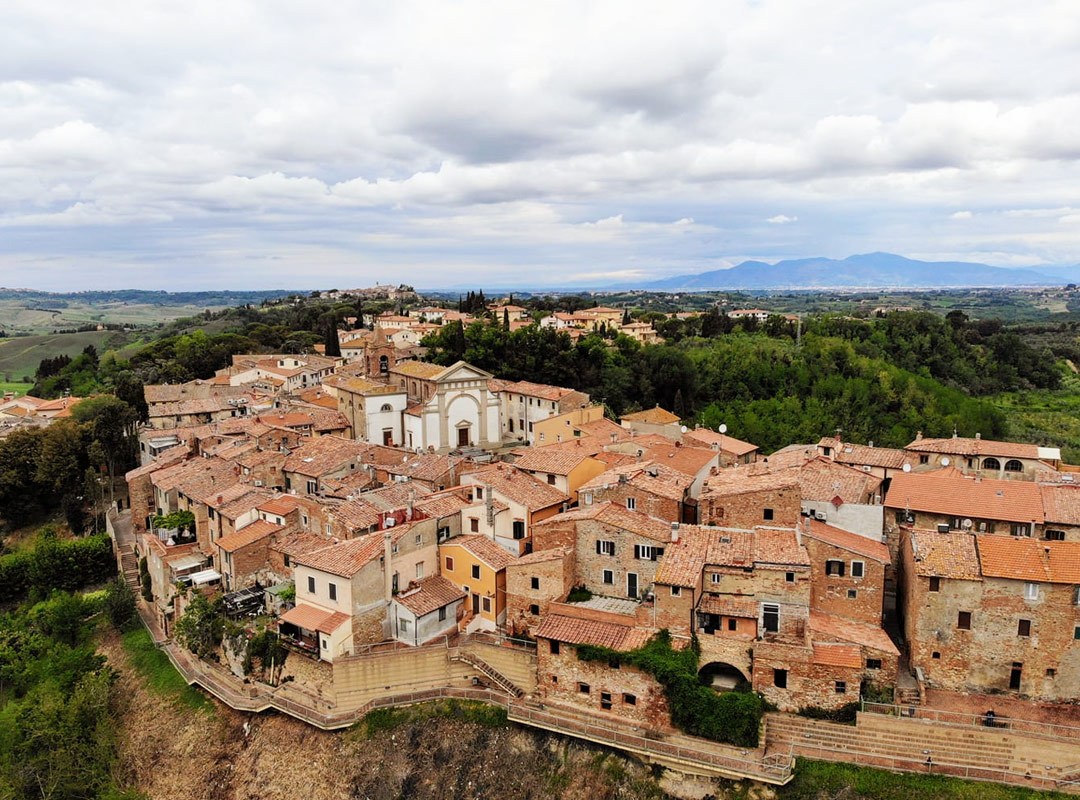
[490, 672]
[129, 566]
[907, 696]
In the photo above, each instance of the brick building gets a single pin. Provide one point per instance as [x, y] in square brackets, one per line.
[847, 572]
[653, 489]
[737, 499]
[533, 582]
[984, 458]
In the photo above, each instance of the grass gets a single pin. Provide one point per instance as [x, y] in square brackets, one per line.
[18, 388]
[160, 675]
[1046, 417]
[815, 780]
[386, 719]
[21, 355]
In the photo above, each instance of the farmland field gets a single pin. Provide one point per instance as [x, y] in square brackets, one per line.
[19, 356]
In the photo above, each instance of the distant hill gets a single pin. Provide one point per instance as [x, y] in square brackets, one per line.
[871, 270]
[207, 298]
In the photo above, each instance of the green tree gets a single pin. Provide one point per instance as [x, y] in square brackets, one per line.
[119, 603]
[202, 625]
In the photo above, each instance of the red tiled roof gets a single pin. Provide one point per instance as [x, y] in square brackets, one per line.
[542, 390]
[572, 630]
[728, 444]
[861, 454]
[518, 486]
[837, 655]
[1061, 504]
[653, 416]
[1025, 559]
[617, 515]
[547, 459]
[259, 529]
[345, 558]
[484, 549]
[974, 447]
[847, 630]
[948, 492]
[687, 460]
[430, 595]
[683, 561]
[540, 556]
[945, 555]
[666, 482]
[316, 457]
[779, 546]
[729, 606]
[847, 541]
[314, 619]
[285, 504]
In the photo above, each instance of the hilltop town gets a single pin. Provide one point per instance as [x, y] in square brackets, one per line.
[404, 529]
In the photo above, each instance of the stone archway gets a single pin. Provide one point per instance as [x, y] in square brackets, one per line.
[721, 676]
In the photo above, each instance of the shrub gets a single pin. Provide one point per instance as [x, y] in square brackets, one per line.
[119, 603]
[201, 627]
[57, 564]
[845, 713]
[579, 594]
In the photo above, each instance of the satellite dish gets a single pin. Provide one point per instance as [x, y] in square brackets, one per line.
[907, 467]
[722, 429]
[967, 524]
[404, 459]
[945, 461]
[683, 429]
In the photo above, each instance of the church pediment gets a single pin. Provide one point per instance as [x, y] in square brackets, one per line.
[463, 372]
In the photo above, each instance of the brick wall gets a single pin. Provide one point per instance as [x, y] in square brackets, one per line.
[554, 579]
[747, 509]
[141, 496]
[809, 685]
[590, 565]
[646, 502]
[674, 611]
[832, 593]
[559, 676]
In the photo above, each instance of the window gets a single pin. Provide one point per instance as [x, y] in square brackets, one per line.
[771, 617]
[328, 528]
[583, 688]
[732, 624]
[486, 603]
[403, 625]
[924, 459]
[935, 584]
[519, 529]
[312, 486]
[834, 567]
[605, 700]
[479, 492]
[311, 585]
[1076, 632]
[1023, 628]
[840, 687]
[1055, 536]
[554, 647]
[1012, 465]
[442, 614]
[419, 539]
[587, 498]
[1019, 529]
[534, 583]
[474, 524]
[852, 594]
[322, 643]
[476, 571]
[676, 591]
[609, 577]
[630, 699]
[449, 563]
[287, 559]
[963, 620]
[1051, 673]
[551, 479]
[935, 655]
[647, 552]
[605, 547]
[767, 514]
[789, 577]
[858, 569]
[534, 609]
[541, 435]
[715, 577]
[419, 570]
[1031, 591]
[631, 503]
[304, 519]
[873, 663]
[554, 678]
[779, 678]
[332, 588]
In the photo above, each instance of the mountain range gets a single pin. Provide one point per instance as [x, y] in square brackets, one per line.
[869, 270]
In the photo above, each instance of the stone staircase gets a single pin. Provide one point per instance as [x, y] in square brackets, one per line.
[908, 696]
[489, 672]
[129, 566]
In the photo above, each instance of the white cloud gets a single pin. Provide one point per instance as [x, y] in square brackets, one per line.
[489, 138]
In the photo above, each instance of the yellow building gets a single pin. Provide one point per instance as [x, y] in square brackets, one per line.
[477, 566]
[560, 428]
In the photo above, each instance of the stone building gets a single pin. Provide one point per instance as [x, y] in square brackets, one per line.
[533, 582]
[984, 458]
[653, 489]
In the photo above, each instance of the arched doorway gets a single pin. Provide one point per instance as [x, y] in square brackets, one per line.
[723, 677]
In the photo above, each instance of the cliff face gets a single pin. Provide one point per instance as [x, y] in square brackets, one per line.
[169, 751]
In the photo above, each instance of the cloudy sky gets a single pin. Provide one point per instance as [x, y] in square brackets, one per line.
[235, 144]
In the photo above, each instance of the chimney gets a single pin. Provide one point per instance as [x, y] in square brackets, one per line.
[918, 436]
[978, 435]
[622, 477]
[388, 581]
[799, 530]
[674, 532]
[220, 498]
[409, 505]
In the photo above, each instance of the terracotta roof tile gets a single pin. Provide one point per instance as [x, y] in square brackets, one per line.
[617, 515]
[442, 505]
[974, 447]
[653, 416]
[846, 540]
[425, 467]
[345, 558]
[837, 655]
[541, 556]
[572, 630]
[297, 543]
[518, 486]
[316, 457]
[546, 459]
[418, 369]
[1025, 559]
[647, 476]
[683, 561]
[1061, 504]
[846, 630]
[945, 555]
[542, 390]
[729, 606]
[484, 549]
[860, 454]
[430, 595]
[728, 444]
[314, 619]
[687, 460]
[285, 504]
[779, 546]
[249, 534]
[948, 492]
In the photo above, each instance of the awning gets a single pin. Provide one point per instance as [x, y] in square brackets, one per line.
[205, 576]
[314, 619]
[187, 562]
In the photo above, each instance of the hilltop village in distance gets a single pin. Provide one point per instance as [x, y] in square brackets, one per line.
[406, 530]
